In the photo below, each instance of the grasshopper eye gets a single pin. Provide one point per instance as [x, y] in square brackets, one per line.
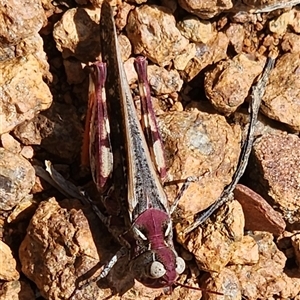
[157, 270]
[180, 265]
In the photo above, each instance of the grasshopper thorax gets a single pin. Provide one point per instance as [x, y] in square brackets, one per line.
[155, 261]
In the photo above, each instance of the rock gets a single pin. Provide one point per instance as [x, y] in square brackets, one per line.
[27, 152]
[18, 21]
[263, 126]
[144, 293]
[280, 101]
[163, 81]
[279, 25]
[259, 215]
[39, 186]
[225, 282]
[51, 10]
[284, 244]
[197, 31]
[153, 33]
[57, 234]
[229, 83]
[206, 54]
[243, 17]
[295, 24]
[296, 245]
[181, 60]
[214, 244]
[205, 9]
[274, 172]
[259, 3]
[23, 210]
[245, 252]
[266, 278]
[17, 178]
[98, 3]
[77, 34]
[19, 33]
[139, 1]
[290, 18]
[33, 45]
[22, 78]
[16, 290]
[82, 2]
[236, 34]
[291, 42]
[130, 71]
[290, 284]
[8, 271]
[74, 71]
[122, 15]
[10, 144]
[61, 123]
[198, 143]
[125, 47]
[183, 293]
[31, 132]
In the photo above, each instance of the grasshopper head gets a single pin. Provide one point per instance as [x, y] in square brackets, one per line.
[156, 263]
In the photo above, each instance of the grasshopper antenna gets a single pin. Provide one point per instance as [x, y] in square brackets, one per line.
[198, 289]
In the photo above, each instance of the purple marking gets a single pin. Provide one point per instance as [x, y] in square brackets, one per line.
[152, 134]
[153, 222]
[100, 138]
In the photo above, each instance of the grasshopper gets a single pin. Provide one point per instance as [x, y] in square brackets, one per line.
[149, 235]
[117, 141]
